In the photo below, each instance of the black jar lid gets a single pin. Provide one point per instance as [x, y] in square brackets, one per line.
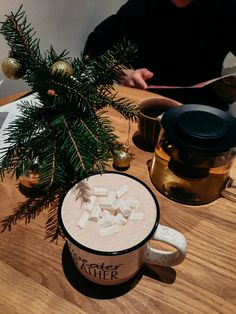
[200, 127]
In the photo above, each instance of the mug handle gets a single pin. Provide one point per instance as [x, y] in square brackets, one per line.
[167, 258]
[231, 184]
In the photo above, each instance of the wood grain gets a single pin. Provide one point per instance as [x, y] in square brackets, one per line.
[39, 277]
[20, 299]
[10, 98]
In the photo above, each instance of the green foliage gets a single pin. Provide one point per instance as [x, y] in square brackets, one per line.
[66, 132]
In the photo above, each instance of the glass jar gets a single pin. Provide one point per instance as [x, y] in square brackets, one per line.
[194, 154]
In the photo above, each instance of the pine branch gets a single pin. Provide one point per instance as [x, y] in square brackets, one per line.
[65, 133]
[74, 145]
[52, 228]
[27, 211]
[48, 167]
[122, 105]
[20, 38]
[51, 56]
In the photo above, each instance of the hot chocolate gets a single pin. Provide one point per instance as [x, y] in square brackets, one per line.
[115, 213]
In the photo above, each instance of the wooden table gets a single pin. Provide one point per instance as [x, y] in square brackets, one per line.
[39, 277]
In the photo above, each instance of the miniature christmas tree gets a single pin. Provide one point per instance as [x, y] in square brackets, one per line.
[64, 135]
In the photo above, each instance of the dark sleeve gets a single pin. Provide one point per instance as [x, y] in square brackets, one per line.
[125, 24]
[104, 36]
[229, 24]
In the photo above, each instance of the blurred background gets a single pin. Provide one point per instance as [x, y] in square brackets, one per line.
[65, 24]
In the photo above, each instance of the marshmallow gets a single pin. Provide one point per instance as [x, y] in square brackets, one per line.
[83, 219]
[95, 214]
[115, 205]
[109, 230]
[107, 202]
[124, 208]
[109, 209]
[121, 191]
[120, 219]
[106, 221]
[105, 212]
[100, 191]
[90, 204]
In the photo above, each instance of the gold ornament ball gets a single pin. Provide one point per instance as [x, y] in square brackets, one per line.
[61, 67]
[51, 92]
[29, 180]
[121, 159]
[12, 69]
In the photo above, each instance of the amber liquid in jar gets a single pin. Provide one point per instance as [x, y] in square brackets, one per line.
[189, 177]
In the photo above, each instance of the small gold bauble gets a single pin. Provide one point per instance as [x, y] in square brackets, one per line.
[61, 67]
[51, 92]
[30, 179]
[12, 69]
[121, 159]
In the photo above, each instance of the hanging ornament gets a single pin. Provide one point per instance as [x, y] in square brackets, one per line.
[12, 69]
[62, 67]
[30, 179]
[51, 92]
[30, 176]
[121, 159]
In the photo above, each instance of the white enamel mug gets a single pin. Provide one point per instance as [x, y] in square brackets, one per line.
[112, 267]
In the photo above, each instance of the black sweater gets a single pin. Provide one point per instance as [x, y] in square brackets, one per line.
[182, 46]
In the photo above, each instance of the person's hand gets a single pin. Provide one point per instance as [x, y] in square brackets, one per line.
[136, 78]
